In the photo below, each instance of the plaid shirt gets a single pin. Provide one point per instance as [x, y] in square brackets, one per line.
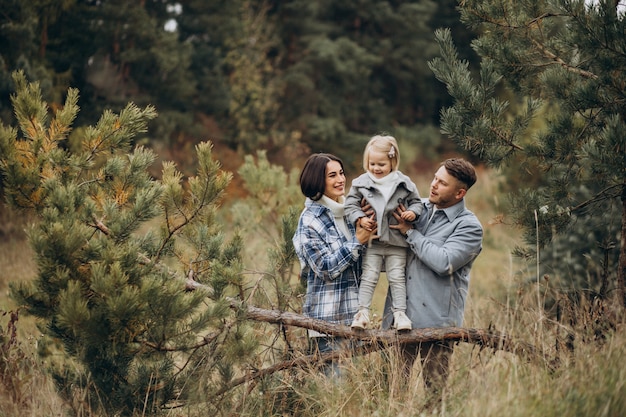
[331, 265]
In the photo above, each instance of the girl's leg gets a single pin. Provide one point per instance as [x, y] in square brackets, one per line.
[395, 263]
[372, 264]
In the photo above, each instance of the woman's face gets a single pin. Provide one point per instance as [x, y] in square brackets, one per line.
[335, 181]
[379, 164]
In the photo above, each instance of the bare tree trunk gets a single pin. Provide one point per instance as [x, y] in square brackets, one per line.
[621, 270]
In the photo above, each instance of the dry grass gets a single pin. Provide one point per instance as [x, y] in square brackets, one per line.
[24, 388]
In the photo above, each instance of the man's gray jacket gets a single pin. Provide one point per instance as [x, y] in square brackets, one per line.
[441, 254]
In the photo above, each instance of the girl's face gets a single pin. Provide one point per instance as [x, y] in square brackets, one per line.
[335, 181]
[379, 164]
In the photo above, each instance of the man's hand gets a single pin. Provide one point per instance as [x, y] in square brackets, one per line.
[403, 226]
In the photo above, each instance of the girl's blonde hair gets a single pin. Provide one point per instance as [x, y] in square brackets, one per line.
[383, 144]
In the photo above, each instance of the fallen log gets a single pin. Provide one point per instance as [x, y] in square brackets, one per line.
[373, 339]
[483, 337]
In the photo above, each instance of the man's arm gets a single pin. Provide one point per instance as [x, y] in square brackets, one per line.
[461, 247]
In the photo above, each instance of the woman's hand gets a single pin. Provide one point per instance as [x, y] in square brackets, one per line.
[367, 208]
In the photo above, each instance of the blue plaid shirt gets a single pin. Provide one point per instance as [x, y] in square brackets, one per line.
[331, 265]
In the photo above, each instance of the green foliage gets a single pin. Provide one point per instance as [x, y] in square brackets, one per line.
[254, 91]
[351, 70]
[116, 250]
[563, 62]
[287, 76]
[271, 211]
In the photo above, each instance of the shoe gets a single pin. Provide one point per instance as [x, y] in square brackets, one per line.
[401, 321]
[361, 319]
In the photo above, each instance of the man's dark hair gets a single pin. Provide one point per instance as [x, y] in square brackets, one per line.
[313, 175]
[462, 170]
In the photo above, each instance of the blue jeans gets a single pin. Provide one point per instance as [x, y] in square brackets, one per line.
[324, 344]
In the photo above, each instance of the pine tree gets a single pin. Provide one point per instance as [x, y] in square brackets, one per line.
[563, 64]
[253, 110]
[351, 69]
[116, 250]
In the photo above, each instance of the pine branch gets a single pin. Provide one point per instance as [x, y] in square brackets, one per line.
[535, 22]
[100, 226]
[602, 195]
[506, 140]
[173, 229]
[301, 361]
[488, 19]
[551, 56]
[206, 340]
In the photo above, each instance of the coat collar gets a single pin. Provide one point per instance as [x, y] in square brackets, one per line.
[451, 212]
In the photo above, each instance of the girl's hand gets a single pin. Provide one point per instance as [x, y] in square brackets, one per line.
[403, 226]
[408, 215]
[365, 234]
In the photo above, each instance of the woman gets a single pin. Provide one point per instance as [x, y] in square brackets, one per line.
[329, 248]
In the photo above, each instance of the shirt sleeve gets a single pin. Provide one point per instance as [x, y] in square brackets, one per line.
[415, 204]
[352, 205]
[325, 252]
[461, 247]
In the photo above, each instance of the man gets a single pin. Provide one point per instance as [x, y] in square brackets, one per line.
[443, 244]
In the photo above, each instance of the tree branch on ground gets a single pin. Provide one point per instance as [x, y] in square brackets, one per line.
[376, 339]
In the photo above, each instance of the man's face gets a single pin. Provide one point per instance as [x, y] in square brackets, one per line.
[445, 190]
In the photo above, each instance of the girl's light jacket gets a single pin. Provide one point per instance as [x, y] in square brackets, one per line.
[404, 192]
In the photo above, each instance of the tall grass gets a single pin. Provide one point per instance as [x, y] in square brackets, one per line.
[589, 380]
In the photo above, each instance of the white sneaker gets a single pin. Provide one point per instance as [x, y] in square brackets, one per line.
[361, 319]
[401, 321]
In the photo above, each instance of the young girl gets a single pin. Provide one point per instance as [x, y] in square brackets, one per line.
[384, 188]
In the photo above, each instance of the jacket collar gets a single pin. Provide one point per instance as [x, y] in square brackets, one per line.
[451, 212]
[315, 206]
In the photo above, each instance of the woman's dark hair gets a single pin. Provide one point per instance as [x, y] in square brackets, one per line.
[313, 175]
[462, 170]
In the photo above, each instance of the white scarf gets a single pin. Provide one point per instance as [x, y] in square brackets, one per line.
[385, 184]
[337, 208]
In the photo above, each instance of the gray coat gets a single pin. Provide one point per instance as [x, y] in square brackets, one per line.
[438, 266]
[405, 192]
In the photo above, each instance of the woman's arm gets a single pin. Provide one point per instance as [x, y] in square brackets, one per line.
[323, 249]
